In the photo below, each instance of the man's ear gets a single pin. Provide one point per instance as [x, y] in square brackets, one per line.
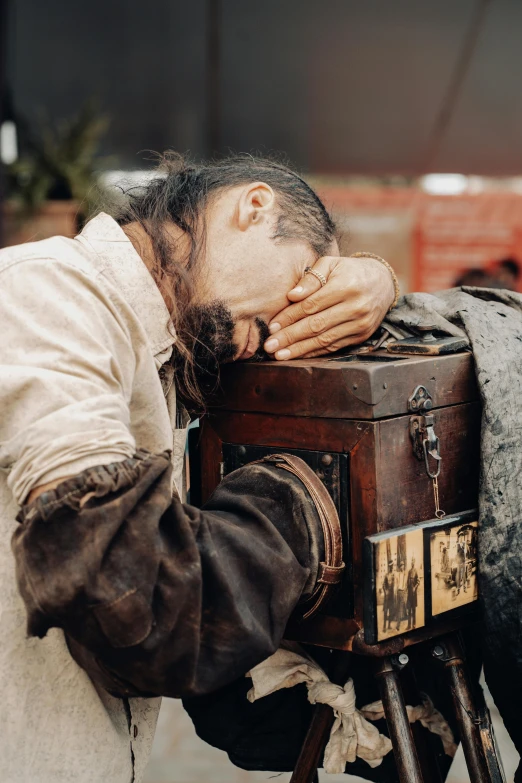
[256, 202]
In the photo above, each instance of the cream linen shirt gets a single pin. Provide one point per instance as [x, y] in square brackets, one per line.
[83, 336]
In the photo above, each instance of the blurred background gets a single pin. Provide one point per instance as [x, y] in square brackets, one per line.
[406, 116]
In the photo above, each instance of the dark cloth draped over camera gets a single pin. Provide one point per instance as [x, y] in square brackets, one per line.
[160, 598]
[491, 321]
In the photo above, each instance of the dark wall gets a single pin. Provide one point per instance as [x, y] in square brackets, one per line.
[144, 61]
[340, 85]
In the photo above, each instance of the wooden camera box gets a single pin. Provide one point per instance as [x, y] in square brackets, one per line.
[376, 428]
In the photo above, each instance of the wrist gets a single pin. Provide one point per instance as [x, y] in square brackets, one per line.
[391, 272]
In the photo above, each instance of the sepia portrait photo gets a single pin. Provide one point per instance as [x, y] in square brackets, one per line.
[399, 583]
[453, 560]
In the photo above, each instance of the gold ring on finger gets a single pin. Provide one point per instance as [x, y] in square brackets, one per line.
[320, 277]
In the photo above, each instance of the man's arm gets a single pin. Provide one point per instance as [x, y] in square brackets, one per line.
[37, 491]
[157, 597]
[66, 373]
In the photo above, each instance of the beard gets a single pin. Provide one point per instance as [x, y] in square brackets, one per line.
[211, 341]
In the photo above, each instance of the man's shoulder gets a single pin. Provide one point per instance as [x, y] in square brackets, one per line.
[55, 251]
[57, 269]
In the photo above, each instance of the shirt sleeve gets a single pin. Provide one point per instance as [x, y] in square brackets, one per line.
[158, 597]
[66, 370]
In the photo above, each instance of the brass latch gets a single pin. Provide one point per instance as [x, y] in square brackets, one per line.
[425, 442]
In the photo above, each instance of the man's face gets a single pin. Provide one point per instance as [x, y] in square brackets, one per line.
[244, 274]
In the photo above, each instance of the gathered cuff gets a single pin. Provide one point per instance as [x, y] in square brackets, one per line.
[97, 481]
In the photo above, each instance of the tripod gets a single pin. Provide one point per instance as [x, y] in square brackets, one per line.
[414, 764]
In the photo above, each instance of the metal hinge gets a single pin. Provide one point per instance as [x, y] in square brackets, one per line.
[424, 439]
[420, 400]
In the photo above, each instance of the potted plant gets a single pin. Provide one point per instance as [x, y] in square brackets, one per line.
[54, 184]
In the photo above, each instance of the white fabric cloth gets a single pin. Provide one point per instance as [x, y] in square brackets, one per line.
[84, 332]
[351, 734]
[426, 713]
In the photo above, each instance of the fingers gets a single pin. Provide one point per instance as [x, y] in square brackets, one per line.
[323, 320]
[308, 349]
[322, 298]
[297, 312]
[345, 311]
[309, 283]
[327, 342]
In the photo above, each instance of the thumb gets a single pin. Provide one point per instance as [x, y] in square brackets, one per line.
[310, 283]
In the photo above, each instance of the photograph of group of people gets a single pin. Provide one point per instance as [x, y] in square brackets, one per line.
[422, 573]
[453, 554]
[400, 584]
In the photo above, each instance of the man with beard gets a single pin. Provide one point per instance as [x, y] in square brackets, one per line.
[107, 340]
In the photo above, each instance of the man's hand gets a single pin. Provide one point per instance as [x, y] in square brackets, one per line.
[323, 319]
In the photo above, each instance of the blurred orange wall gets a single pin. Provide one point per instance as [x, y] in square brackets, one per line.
[428, 239]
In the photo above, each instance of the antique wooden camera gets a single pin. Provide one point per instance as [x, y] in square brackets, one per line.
[395, 439]
[394, 435]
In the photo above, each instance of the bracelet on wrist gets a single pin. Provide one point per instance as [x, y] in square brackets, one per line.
[388, 267]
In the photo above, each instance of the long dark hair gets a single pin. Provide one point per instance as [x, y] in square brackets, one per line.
[179, 195]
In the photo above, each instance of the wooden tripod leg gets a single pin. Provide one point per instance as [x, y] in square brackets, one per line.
[427, 744]
[319, 730]
[476, 732]
[404, 751]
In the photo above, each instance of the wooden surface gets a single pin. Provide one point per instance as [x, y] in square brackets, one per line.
[474, 726]
[404, 750]
[276, 431]
[331, 388]
[345, 633]
[432, 759]
[404, 492]
[208, 454]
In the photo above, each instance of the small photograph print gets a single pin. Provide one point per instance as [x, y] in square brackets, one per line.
[453, 561]
[399, 584]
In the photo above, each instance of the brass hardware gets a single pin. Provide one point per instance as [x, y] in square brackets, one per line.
[420, 400]
[425, 443]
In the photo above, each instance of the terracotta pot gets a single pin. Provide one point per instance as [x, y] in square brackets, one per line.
[51, 219]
